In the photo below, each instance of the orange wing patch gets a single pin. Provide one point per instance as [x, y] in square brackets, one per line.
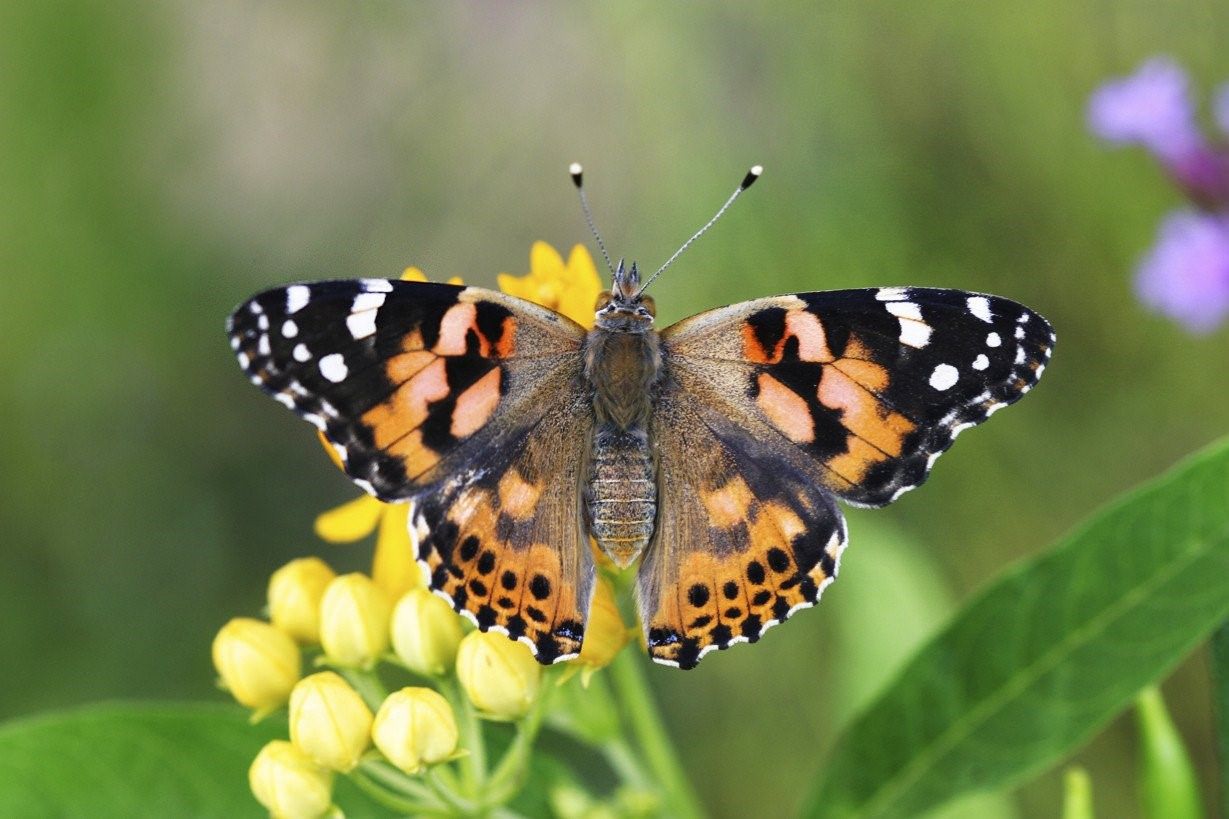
[814, 397]
[718, 600]
[522, 590]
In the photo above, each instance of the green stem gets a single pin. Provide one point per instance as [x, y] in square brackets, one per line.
[473, 764]
[392, 801]
[623, 762]
[1220, 706]
[368, 685]
[627, 673]
[459, 805]
[392, 778]
[509, 775]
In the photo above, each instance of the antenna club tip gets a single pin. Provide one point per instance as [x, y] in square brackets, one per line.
[577, 173]
[751, 176]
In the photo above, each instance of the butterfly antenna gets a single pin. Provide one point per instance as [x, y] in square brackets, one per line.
[578, 179]
[747, 182]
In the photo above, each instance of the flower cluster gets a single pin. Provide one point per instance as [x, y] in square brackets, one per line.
[417, 745]
[1186, 274]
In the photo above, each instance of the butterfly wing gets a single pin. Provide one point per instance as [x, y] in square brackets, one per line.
[746, 535]
[772, 407]
[467, 403]
[874, 384]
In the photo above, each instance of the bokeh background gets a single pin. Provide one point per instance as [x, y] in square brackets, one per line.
[159, 162]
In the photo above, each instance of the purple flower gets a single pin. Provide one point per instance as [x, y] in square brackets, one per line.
[1153, 108]
[1186, 274]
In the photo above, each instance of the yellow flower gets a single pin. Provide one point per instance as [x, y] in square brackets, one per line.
[415, 727]
[393, 567]
[413, 274]
[605, 633]
[289, 784]
[329, 721]
[426, 633]
[500, 676]
[294, 597]
[571, 289]
[354, 616]
[258, 663]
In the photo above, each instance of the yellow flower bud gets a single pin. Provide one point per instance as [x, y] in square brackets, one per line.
[258, 664]
[500, 676]
[354, 616]
[605, 633]
[415, 727]
[289, 784]
[294, 597]
[426, 633]
[329, 721]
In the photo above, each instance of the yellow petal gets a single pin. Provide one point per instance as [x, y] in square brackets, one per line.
[413, 274]
[333, 456]
[351, 521]
[520, 286]
[580, 291]
[455, 280]
[545, 262]
[393, 567]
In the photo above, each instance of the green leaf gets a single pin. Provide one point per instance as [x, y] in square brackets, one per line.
[1038, 661]
[139, 759]
[127, 760]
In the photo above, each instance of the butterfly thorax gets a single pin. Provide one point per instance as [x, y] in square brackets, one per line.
[622, 366]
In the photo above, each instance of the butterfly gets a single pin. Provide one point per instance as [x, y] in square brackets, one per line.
[713, 452]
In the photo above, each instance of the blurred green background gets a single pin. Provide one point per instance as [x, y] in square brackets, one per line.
[161, 162]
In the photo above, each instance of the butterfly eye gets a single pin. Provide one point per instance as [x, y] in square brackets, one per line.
[648, 305]
[603, 300]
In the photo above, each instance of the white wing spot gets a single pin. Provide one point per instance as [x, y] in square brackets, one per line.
[362, 325]
[891, 294]
[377, 286]
[904, 309]
[289, 329]
[944, 376]
[244, 361]
[914, 333]
[297, 296]
[300, 352]
[333, 367]
[1020, 332]
[262, 346]
[262, 322]
[993, 340]
[980, 307]
[981, 362]
[367, 301]
[1019, 355]
[285, 400]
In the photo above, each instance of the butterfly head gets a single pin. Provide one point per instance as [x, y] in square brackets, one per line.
[622, 308]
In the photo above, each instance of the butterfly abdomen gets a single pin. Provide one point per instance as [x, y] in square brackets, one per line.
[621, 499]
[622, 496]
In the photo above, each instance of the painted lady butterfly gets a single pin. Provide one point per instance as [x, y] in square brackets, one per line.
[714, 451]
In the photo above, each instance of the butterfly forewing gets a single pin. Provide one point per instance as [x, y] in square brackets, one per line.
[403, 378]
[874, 384]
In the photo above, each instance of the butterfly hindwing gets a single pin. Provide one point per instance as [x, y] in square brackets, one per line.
[407, 380]
[874, 384]
[508, 546]
[746, 535]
